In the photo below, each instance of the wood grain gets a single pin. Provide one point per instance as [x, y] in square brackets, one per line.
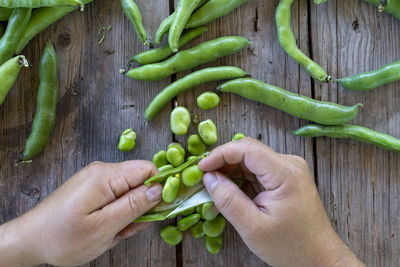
[359, 183]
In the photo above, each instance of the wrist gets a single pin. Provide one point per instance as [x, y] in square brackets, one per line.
[19, 244]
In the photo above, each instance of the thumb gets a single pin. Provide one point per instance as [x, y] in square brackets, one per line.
[131, 206]
[232, 202]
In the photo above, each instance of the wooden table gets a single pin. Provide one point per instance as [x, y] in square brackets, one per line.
[358, 183]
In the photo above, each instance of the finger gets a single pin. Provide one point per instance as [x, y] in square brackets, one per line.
[268, 166]
[237, 208]
[130, 206]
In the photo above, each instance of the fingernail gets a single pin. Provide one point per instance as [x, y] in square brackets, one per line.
[210, 180]
[154, 193]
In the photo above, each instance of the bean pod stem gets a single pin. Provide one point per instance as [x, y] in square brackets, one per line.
[355, 132]
[303, 107]
[392, 7]
[8, 74]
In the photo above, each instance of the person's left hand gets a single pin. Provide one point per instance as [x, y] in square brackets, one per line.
[89, 214]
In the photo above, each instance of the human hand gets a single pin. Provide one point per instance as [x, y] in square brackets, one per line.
[87, 215]
[286, 224]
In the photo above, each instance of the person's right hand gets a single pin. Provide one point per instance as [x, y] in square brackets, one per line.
[286, 224]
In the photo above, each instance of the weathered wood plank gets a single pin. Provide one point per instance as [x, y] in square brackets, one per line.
[358, 182]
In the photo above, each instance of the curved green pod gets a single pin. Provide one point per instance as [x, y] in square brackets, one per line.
[19, 18]
[189, 81]
[8, 74]
[190, 58]
[42, 18]
[373, 79]
[355, 132]
[47, 98]
[41, 3]
[288, 42]
[161, 53]
[212, 10]
[132, 12]
[300, 106]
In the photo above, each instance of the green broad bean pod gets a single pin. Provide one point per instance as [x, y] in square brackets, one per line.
[208, 212]
[212, 10]
[319, 1]
[160, 158]
[303, 107]
[171, 189]
[208, 132]
[177, 146]
[161, 177]
[8, 74]
[161, 53]
[214, 244]
[17, 22]
[207, 100]
[127, 140]
[191, 158]
[373, 79]
[190, 58]
[42, 18]
[47, 99]
[189, 81]
[214, 227]
[189, 221]
[288, 42]
[5, 13]
[197, 230]
[355, 132]
[182, 13]
[196, 146]
[171, 235]
[165, 168]
[153, 217]
[42, 3]
[188, 212]
[180, 121]
[392, 7]
[132, 12]
[175, 157]
[238, 136]
[192, 176]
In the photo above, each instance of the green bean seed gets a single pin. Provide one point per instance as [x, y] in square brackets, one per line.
[183, 11]
[160, 158]
[197, 230]
[171, 235]
[8, 74]
[355, 132]
[177, 146]
[373, 79]
[47, 98]
[5, 13]
[42, 3]
[214, 244]
[208, 132]
[189, 221]
[159, 54]
[214, 227]
[190, 58]
[208, 212]
[165, 167]
[195, 145]
[238, 136]
[19, 18]
[212, 10]
[189, 81]
[188, 212]
[288, 42]
[303, 107]
[180, 121]
[175, 157]
[208, 100]
[132, 12]
[171, 189]
[192, 176]
[127, 141]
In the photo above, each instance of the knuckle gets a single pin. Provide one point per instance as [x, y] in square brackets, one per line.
[225, 201]
[134, 205]
[96, 166]
[118, 185]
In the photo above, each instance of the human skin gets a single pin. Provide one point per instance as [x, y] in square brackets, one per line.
[89, 214]
[285, 224]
